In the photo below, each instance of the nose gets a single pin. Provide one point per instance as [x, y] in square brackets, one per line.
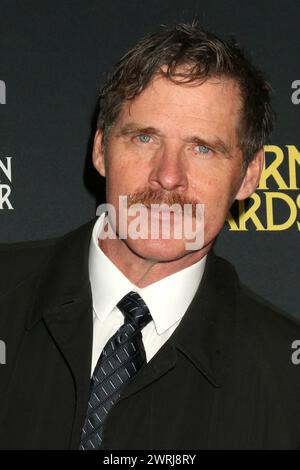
[169, 172]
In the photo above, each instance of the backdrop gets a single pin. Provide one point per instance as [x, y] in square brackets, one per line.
[54, 56]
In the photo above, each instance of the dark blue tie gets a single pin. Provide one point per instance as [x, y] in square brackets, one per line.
[122, 357]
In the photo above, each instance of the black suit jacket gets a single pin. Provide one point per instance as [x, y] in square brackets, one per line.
[224, 379]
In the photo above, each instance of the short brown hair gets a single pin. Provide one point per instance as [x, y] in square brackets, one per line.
[206, 55]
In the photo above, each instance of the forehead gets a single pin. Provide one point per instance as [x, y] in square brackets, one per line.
[214, 103]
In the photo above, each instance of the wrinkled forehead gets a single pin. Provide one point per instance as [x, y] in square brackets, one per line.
[216, 100]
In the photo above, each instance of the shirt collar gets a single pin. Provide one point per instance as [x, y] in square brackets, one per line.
[167, 299]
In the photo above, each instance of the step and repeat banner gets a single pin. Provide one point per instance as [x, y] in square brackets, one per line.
[54, 56]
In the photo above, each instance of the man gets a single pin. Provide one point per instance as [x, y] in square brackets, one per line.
[127, 342]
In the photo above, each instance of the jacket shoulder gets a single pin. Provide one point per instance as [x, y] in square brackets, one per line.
[20, 260]
[270, 337]
[261, 312]
[263, 330]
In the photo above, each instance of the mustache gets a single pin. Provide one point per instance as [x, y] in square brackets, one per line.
[150, 196]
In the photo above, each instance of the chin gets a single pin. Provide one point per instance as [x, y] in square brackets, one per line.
[158, 250]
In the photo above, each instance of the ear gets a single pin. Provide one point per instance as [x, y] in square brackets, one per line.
[252, 176]
[98, 152]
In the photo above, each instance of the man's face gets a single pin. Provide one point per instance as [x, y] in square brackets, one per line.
[176, 143]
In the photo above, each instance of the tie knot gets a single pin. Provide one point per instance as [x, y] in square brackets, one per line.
[134, 309]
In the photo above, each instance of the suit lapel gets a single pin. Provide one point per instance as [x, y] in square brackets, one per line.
[64, 301]
[207, 332]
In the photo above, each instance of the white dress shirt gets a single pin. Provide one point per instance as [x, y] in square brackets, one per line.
[167, 299]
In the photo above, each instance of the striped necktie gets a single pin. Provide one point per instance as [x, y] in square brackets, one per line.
[122, 357]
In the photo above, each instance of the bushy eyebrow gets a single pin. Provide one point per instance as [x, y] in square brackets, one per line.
[214, 143]
[132, 128]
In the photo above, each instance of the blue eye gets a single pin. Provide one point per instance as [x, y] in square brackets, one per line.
[144, 138]
[203, 149]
